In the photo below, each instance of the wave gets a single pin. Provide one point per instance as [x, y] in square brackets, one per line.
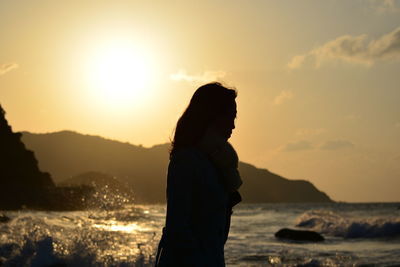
[43, 253]
[331, 223]
[83, 238]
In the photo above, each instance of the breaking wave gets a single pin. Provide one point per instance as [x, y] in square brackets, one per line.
[44, 253]
[331, 223]
[96, 238]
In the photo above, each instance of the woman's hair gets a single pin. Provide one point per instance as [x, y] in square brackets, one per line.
[207, 103]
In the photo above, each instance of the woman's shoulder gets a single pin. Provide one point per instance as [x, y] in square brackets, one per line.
[187, 155]
[190, 156]
[184, 161]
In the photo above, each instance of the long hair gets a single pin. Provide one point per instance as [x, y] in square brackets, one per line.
[208, 102]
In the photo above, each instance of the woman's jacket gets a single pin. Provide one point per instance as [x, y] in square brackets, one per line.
[198, 212]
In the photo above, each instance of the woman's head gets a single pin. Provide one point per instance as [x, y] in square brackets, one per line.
[212, 106]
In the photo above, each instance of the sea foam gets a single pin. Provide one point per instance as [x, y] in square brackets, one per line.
[334, 224]
[72, 239]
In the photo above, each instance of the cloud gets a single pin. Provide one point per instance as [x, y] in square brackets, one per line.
[385, 6]
[397, 125]
[6, 67]
[353, 49]
[297, 146]
[297, 61]
[207, 76]
[282, 97]
[336, 144]
[310, 132]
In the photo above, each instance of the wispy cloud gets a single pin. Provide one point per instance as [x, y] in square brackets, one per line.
[297, 61]
[310, 132]
[385, 6]
[283, 97]
[336, 144]
[297, 146]
[207, 76]
[353, 49]
[6, 67]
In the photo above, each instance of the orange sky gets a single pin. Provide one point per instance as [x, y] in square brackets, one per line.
[318, 96]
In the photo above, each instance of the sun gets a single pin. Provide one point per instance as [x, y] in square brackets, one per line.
[120, 73]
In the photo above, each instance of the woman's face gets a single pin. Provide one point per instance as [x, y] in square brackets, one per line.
[225, 123]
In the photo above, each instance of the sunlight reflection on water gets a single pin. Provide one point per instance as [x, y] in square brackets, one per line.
[129, 237]
[122, 237]
[117, 227]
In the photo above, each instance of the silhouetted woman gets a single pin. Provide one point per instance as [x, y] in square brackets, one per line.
[202, 181]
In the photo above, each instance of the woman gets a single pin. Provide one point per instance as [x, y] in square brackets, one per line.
[202, 181]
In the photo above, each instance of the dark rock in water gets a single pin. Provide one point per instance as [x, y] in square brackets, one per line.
[299, 235]
[4, 218]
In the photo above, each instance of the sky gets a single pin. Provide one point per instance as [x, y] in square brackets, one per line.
[317, 81]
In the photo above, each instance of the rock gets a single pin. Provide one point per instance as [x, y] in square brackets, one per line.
[299, 235]
[22, 183]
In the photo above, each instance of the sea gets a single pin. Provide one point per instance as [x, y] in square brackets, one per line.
[356, 234]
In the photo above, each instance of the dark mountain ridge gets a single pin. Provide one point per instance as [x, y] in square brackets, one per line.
[23, 185]
[66, 154]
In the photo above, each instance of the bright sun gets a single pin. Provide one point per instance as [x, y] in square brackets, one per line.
[120, 73]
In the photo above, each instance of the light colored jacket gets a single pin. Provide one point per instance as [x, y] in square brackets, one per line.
[198, 213]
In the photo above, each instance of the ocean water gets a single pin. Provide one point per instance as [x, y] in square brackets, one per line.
[365, 234]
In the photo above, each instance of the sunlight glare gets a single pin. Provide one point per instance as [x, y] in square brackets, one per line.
[116, 227]
[121, 73]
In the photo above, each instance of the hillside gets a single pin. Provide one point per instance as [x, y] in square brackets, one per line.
[66, 154]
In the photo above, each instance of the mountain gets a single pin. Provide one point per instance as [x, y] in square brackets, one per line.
[65, 154]
[261, 185]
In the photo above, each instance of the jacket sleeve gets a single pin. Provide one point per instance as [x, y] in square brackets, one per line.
[234, 199]
[181, 179]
